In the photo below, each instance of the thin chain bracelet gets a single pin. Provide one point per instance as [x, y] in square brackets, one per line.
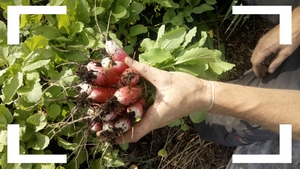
[212, 95]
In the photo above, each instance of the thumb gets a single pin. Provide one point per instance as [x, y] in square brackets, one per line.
[150, 73]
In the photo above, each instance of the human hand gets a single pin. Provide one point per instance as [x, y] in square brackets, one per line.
[177, 94]
[268, 54]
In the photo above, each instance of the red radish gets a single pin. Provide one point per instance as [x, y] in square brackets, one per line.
[116, 66]
[110, 116]
[100, 94]
[115, 50]
[142, 101]
[104, 77]
[97, 126]
[128, 95]
[137, 109]
[130, 77]
[123, 124]
[92, 65]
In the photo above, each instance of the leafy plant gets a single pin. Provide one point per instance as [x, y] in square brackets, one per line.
[38, 81]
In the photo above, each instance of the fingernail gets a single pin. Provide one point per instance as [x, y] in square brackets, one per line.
[271, 70]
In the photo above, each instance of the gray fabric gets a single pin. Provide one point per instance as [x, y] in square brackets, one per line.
[273, 18]
[267, 147]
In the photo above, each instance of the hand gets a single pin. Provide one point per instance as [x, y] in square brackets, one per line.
[177, 95]
[269, 54]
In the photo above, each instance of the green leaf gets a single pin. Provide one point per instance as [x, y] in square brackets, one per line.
[44, 166]
[63, 23]
[135, 8]
[147, 44]
[171, 40]
[82, 11]
[47, 31]
[76, 27]
[193, 2]
[202, 8]
[39, 143]
[11, 86]
[6, 114]
[65, 144]
[56, 2]
[211, 2]
[124, 146]
[3, 137]
[163, 153]
[119, 11]
[137, 29]
[198, 55]
[221, 67]
[3, 33]
[36, 65]
[54, 110]
[36, 42]
[155, 56]
[38, 121]
[198, 117]
[189, 36]
[178, 20]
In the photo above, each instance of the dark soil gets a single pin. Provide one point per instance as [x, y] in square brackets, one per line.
[185, 148]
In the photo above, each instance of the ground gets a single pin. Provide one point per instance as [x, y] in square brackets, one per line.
[185, 148]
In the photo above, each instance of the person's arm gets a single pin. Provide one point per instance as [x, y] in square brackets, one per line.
[179, 94]
[269, 54]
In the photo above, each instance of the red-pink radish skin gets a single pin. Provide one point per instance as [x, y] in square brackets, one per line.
[111, 116]
[101, 94]
[130, 77]
[128, 95]
[105, 77]
[96, 127]
[115, 51]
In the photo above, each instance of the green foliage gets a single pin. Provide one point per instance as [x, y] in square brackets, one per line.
[37, 78]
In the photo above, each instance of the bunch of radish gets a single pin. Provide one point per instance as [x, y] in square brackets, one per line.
[110, 90]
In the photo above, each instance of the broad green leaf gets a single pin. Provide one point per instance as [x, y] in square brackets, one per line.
[155, 56]
[3, 137]
[193, 2]
[202, 8]
[33, 92]
[56, 2]
[54, 111]
[106, 4]
[11, 86]
[5, 165]
[124, 3]
[36, 65]
[65, 144]
[163, 153]
[198, 55]
[147, 44]
[48, 32]
[82, 11]
[137, 29]
[189, 36]
[3, 56]
[3, 33]
[40, 142]
[177, 122]
[221, 67]
[203, 38]
[6, 113]
[38, 121]
[211, 2]
[87, 38]
[168, 15]
[95, 164]
[63, 23]
[124, 146]
[119, 11]
[135, 8]
[161, 32]
[44, 166]
[30, 19]
[197, 117]
[76, 27]
[171, 40]
[178, 20]
[36, 42]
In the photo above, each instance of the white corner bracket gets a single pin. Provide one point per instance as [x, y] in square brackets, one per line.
[285, 150]
[13, 21]
[285, 18]
[13, 150]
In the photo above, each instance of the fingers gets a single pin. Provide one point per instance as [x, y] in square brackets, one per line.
[152, 74]
[140, 129]
[279, 58]
[260, 62]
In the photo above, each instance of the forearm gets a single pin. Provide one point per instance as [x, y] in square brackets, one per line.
[265, 107]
